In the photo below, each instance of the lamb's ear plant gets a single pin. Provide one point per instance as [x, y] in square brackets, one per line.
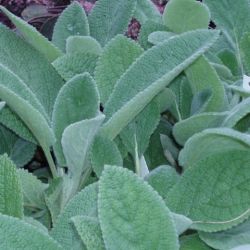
[146, 142]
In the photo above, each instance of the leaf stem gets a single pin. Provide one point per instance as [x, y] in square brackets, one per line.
[51, 163]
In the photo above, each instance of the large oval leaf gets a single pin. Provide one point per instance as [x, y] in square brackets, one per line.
[132, 215]
[214, 191]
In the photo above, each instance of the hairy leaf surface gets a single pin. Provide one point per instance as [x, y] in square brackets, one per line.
[11, 198]
[31, 35]
[83, 44]
[90, 232]
[213, 192]
[72, 22]
[77, 100]
[17, 234]
[109, 18]
[184, 129]
[83, 204]
[210, 142]
[76, 63]
[128, 99]
[131, 214]
[116, 58]
[228, 239]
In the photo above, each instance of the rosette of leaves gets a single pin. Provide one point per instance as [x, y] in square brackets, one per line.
[143, 140]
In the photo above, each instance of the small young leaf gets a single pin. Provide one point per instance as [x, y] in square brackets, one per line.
[31, 35]
[140, 219]
[83, 204]
[11, 198]
[116, 58]
[73, 64]
[182, 223]
[17, 234]
[160, 36]
[83, 44]
[90, 232]
[128, 99]
[162, 179]
[104, 152]
[76, 141]
[183, 15]
[109, 18]
[77, 100]
[22, 152]
[19, 150]
[33, 190]
[72, 22]
[208, 192]
[11, 121]
[147, 28]
[184, 129]
[142, 127]
[54, 198]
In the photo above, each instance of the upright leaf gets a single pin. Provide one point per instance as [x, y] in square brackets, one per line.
[146, 10]
[21, 100]
[83, 204]
[109, 18]
[142, 127]
[31, 35]
[73, 64]
[104, 152]
[128, 99]
[76, 141]
[17, 234]
[11, 198]
[185, 15]
[77, 100]
[229, 16]
[211, 194]
[140, 219]
[38, 79]
[116, 58]
[72, 22]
